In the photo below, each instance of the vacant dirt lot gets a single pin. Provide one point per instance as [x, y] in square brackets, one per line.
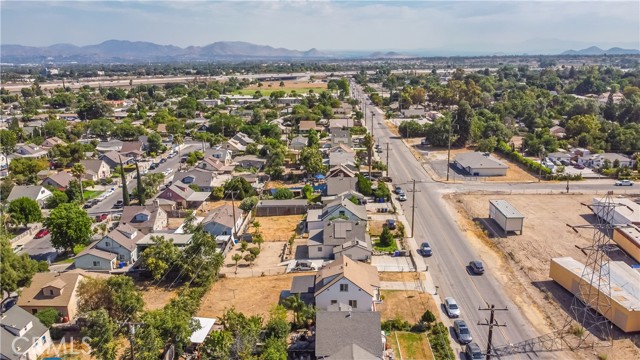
[407, 305]
[523, 260]
[277, 228]
[251, 296]
[157, 297]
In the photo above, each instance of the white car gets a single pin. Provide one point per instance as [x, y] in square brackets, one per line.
[167, 171]
[171, 155]
[402, 197]
[624, 183]
[452, 308]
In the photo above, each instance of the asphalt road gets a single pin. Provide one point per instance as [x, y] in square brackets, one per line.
[40, 249]
[452, 252]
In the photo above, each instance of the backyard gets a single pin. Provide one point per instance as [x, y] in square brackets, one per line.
[276, 228]
[409, 346]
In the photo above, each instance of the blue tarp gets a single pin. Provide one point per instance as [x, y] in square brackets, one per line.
[319, 176]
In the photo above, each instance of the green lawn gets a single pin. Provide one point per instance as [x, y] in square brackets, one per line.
[90, 194]
[267, 91]
[391, 248]
[414, 346]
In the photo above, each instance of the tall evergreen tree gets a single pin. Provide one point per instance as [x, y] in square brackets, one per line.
[140, 186]
[125, 191]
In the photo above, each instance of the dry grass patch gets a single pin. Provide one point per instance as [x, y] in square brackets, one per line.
[288, 85]
[174, 223]
[251, 296]
[514, 172]
[399, 276]
[277, 228]
[157, 297]
[375, 227]
[407, 305]
[413, 346]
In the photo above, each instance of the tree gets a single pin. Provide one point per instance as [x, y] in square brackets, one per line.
[101, 127]
[24, 211]
[217, 346]
[240, 186]
[307, 190]
[487, 145]
[248, 203]
[93, 109]
[311, 159]
[368, 144]
[140, 187]
[125, 191]
[17, 270]
[244, 246]
[54, 128]
[160, 257]
[249, 258]
[283, 194]
[8, 141]
[274, 349]
[312, 139]
[363, 185]
[277, 326]
[101, 332]
[73, 191]
[236, 258]
[297, 306]
[69, 226]
[48, 316]
[117, 295]
[254, 251]
[154, 141]
[78, 172]
[57, 197]
[386, 237]
[258, 240]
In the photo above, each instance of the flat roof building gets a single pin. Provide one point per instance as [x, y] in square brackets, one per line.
[628, 239]
[480, 164]
[507, 216]
[624, 295]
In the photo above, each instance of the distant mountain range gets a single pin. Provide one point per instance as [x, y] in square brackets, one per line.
[130, 51]
[122, 51]
[594, 50]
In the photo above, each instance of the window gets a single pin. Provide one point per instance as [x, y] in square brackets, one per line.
[319, 248]
[107, 244]
[96, 263]
[334, 302]
[344, 287]
[341, 212]
[44, 339]
[353, 303]
[34, 311]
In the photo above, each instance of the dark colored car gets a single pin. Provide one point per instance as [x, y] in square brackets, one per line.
[163, 160]
[153, 166]
[462, 332]
[42, 233]
[476, 267]
[119, 204]
[473, 352]
[425, 249]
[391, 224]
[578, 166]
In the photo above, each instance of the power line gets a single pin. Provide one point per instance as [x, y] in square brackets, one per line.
[491, 323]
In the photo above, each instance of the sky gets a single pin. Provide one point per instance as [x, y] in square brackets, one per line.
[462, 26]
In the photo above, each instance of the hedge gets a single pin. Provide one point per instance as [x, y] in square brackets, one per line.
[533, 166]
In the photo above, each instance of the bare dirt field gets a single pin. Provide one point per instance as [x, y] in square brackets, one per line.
[266, 263]
[523, 260]
[251, 296]
[174, 223]
[407, 305]
[157, 297]
[277, 228]
[514, 172]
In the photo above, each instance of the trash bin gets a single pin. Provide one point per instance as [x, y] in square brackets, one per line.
[396, 253]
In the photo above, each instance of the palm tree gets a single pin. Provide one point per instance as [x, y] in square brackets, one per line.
[179, 140]
[296, 305]
[78, 172]
[236, 258]
[368, 143]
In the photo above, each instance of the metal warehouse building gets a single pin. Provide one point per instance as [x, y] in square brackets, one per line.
[281, 207]
[506, 216]
[625, 290]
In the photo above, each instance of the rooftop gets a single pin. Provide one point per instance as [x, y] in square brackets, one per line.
[33, 295]
[479, 160]
[348, 335]
[506, 209]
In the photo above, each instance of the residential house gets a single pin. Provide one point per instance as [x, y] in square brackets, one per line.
[22, 335]
[335, 233]
[354, 249]
[340, 124]
[345, 282]
[344, 110]
[132, 149]
[341, 136]
[250, 161]
[116, 249]
[341, 154]
[599, 160]
[223, 155]
[53, 141]
[306, 125]
[215, 165]
[289, 101]
[201, 178]
[146, 219]
[52, 290]
[34, 192]
[68, 117]
[340, 179]
[184, 196]
[558, 131]
[339, 208]
[243, 138]
[562, 157]
[299, 142]
[60, 180]
[96, 170]
[108, 146]
[349, 335]
[31, 151]
[113, 158]
[224, 220]
[480, 164]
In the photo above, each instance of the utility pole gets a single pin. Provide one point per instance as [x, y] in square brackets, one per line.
[491, 323]
[413, 207]
[234, 233]
[132, 335]
[449, 145]
[387, 159]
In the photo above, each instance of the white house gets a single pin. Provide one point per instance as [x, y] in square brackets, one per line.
[339, 208]
[598, 160]
[223, 220]
[95, 169]
[22, 335]
[341, 154]
[120, 243]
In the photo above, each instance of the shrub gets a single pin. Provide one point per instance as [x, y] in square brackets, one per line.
[439, 339]
[396, 324]
[532, 166]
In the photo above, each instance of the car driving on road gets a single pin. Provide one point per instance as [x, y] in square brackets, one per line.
[476, 267]
[425, 249]
[462, 332]
[451, 306]
[624, 183]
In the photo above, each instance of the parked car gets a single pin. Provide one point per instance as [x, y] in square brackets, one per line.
[171, 155]
[402, 197]
[379, 150]
[101, 217]
[578, 166]
[462, 332]
[304, 266]
[473, 351]
[42, 233]
[424, 142]
[425, 249]
[391, 224]
[624, 183]
[451, 306]
[153, 166]
[398, 190]
[476, 267]
[163, 160]
[119, 204]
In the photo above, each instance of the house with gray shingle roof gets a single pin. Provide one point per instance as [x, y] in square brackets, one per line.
[34, 192]
[59, 181]
[118, 246]
[334, 234]
[348, 335]
[22, 335]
